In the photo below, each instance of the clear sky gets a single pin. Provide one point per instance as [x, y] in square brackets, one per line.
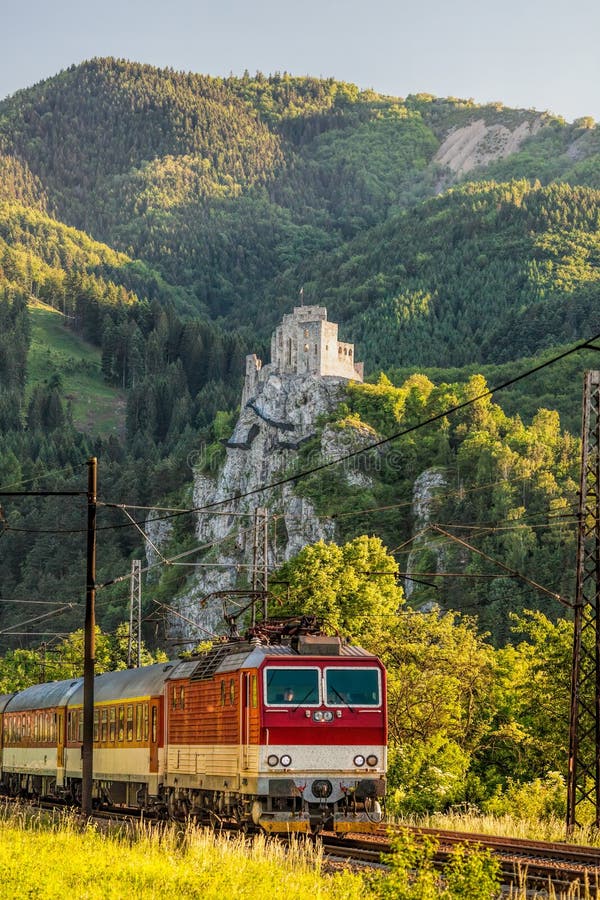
[525, 53]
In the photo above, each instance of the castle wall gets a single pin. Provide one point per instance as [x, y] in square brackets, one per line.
[306, 343]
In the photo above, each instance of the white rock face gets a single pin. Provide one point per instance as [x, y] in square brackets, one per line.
[425, 488]
[478, 144]
[273, 424]
[159, 533]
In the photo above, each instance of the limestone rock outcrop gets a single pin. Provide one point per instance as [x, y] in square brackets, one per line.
[281, 405]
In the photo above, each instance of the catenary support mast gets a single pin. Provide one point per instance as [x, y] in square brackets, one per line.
[134, 645]
[260, 557]
[583, 784]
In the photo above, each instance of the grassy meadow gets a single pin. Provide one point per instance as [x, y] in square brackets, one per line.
[49, 858]
[97, 408]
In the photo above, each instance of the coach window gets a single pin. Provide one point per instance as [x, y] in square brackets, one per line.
[146, 729]
[182, 697]
[104, 726]
[232, 691]
[253, 692]
[174, 698]
[112, 724]
[154, 725]
[223, 692]
[36, 727]
[121, 724]
[96, 725]
[129, 722]
[138, 722]
[80, 725]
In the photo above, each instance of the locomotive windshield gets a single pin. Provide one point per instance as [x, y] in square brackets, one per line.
[292, 687]
[352, 687]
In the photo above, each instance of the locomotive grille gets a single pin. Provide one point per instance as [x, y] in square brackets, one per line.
[209, 663]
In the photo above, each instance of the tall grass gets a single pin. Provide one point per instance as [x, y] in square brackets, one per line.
[51, 857]
[550, 828]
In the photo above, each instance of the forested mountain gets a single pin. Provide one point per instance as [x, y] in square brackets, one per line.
[170, 219]
[241, 188]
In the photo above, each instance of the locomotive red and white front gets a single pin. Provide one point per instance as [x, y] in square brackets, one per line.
[323, 740]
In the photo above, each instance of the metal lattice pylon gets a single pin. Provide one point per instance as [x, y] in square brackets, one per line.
[583, 785]
[134, 646]
[260, 554]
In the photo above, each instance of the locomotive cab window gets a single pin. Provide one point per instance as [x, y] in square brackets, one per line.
[352, 687]
[292, 687]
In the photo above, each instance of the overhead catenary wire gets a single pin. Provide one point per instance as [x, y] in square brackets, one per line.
[42, 475]
[54, 612]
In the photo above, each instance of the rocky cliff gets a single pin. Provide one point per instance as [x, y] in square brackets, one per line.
[277, 418]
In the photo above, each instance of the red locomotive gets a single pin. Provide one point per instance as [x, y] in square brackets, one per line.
[285, 734]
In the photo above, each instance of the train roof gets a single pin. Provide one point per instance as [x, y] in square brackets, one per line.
[4, 698]
[43, 696]
[127, 684]
[236, 655]
[124, 684]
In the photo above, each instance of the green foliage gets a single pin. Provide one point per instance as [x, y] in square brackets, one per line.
[352, 588]
[21, 668]
[539, 799]
[470, 874]
[426, 776]
[476, 468]
[486, 272]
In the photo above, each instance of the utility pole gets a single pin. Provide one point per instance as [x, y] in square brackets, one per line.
[135, 616]
[89, 661]
[583, 783]
[260, 558]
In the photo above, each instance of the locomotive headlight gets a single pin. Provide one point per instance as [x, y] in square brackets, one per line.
[372, 760]
[286, 760]
[272, 760]
[323, 715]
[359, 760]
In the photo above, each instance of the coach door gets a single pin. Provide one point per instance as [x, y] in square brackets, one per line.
[60, 737]
[154, 735]
[245, 723]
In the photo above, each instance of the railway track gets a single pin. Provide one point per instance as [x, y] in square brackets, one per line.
[523, 863]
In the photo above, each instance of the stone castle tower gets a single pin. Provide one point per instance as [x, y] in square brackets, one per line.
[305, 343]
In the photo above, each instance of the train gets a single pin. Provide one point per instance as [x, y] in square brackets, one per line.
[284, 732]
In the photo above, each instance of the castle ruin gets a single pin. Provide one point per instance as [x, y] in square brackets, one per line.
[305, 343]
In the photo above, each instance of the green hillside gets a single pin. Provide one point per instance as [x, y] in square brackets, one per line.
[486, 272]
[55, 350]
[224, 184]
